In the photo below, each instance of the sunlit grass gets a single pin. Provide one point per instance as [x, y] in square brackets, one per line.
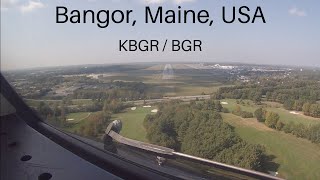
[132, 123]
[285, 115]
[298, 158]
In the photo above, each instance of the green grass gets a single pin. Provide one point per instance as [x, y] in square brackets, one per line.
[80, 119]
[183, 87]
[190, 90]
[298, 158]
[77, 117]
[82, 101]
[132, 123]
[75, 127]
[232, 105]
[285, 115]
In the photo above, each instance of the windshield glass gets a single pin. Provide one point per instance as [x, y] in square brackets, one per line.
[246, 95]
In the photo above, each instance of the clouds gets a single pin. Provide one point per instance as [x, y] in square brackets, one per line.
[153, 1]
[31, 5]
[22, 5]
[149, 2]
[6, 4]
[163, 1]
[27, 6]
[297, 12]
[183, 1]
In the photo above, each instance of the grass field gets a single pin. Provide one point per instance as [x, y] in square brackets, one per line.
[80, 119]
[132, 123]
[82, 101]
[77, 117]
[189, 90]
[285, 115]
[297, 158]
[294, 158]
[185, 81]
[183, 86]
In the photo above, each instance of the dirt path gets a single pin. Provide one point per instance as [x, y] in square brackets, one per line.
[85, 117]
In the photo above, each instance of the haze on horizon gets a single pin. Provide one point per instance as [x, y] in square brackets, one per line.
[30, 38]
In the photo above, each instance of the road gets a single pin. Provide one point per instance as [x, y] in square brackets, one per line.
[151, 101]
[182, 98]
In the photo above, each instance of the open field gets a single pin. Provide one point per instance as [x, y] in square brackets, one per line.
[183, 86]
[184, 89]
[79, 120]
[82, 101]
[189, 90]
[132, 123]
[185, 81]
[77, 117]
[297, 158]
[285, 115]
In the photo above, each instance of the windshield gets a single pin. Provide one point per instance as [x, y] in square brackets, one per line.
[243, 93]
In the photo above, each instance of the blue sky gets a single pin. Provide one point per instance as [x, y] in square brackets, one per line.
[31, 38]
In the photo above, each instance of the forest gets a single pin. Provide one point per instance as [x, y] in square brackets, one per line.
[198, 129]
[293, 94]
[271, 119]
[115, 90]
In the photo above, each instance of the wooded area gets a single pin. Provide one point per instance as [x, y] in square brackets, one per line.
[198, 129]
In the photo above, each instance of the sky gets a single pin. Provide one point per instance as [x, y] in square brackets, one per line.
[31, 38]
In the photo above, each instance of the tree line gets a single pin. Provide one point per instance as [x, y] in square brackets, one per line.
[308, 109]
[95, 125]
[198, 129]
[292, 94]
[271, 119]
[56, 113]
[244, 114]
[125, 91]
